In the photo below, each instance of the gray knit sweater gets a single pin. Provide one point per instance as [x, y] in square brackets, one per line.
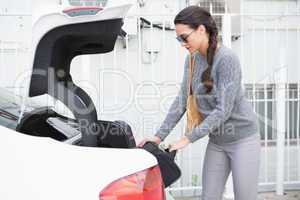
[228, 114]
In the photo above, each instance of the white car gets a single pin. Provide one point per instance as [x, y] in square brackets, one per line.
[48, 167]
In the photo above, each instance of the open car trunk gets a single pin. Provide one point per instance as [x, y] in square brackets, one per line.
[44, 122]
[53, 51]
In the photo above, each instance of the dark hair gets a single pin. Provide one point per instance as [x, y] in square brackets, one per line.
[194, 16]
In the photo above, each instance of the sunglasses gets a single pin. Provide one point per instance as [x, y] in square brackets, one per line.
[183, 37]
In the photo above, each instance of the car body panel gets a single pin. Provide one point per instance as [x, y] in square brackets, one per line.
[41, 168]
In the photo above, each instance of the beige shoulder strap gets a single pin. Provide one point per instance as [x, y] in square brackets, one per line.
[191, 71]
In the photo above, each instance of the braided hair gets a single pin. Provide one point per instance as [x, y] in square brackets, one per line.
[194, 16]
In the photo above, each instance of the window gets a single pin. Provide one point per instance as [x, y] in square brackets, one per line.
[7, 119]
[263, 99]
[10, 108]
[217, 6]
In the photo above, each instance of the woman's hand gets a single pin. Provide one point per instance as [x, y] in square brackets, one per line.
[155, 139]
[180, 144]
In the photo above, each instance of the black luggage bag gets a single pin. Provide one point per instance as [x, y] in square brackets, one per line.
[115, 134]
[169, 170]
[118, 134]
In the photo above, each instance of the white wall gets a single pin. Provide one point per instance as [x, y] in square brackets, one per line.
[271, 31]
[270, 6]
[15, 38]
[263, 51]
[15, 6]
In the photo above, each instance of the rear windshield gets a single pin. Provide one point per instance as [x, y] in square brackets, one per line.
[10, 108]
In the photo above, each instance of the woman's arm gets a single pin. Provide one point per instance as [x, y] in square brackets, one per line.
[177, 109]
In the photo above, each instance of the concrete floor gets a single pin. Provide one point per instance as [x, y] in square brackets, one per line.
[290, 195]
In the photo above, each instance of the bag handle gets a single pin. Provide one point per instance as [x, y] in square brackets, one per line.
[191, 71]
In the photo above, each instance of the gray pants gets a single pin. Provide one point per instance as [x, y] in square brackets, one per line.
[242, 158]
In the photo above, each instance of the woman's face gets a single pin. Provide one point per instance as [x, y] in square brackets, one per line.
[192, 39]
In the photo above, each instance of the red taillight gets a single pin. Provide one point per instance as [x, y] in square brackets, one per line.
[144, 185]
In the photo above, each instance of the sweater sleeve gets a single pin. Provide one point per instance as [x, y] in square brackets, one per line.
[227, 86]
[177, 109]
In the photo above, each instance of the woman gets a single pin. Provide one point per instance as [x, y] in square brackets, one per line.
[229, 120]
